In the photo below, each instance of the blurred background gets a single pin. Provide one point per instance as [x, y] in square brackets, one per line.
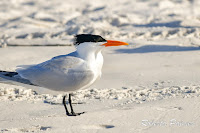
[55, 22]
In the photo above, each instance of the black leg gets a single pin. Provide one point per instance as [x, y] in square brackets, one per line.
[64, 103]
[70, 103]
[72, 111]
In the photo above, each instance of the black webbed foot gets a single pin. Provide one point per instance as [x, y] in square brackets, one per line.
[74, 114]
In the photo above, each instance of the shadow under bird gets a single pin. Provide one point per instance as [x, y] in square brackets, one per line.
[71, 72]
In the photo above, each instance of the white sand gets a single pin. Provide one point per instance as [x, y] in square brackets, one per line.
[150, 86]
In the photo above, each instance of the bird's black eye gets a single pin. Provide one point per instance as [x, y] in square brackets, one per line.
[81, 38]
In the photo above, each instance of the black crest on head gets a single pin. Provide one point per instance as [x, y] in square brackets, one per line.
[81, 38]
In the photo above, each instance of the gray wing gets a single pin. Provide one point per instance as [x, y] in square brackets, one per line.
[61, 64]
[64, 73]
[56, 66]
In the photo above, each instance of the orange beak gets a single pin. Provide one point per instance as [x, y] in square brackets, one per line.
[114, 43]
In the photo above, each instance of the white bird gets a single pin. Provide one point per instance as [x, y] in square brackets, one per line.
[71, 72]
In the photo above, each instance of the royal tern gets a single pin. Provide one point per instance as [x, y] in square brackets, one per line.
[71, 72]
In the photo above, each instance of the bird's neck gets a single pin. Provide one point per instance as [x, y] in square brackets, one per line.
[89, 55]
[88, 51]
[92, 57]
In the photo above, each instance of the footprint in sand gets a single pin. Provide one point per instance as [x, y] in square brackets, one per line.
[97, 126]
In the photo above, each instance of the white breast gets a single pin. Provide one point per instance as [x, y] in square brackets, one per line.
[95, 66]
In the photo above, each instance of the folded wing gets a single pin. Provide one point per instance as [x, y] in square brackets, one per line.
[52, 73]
